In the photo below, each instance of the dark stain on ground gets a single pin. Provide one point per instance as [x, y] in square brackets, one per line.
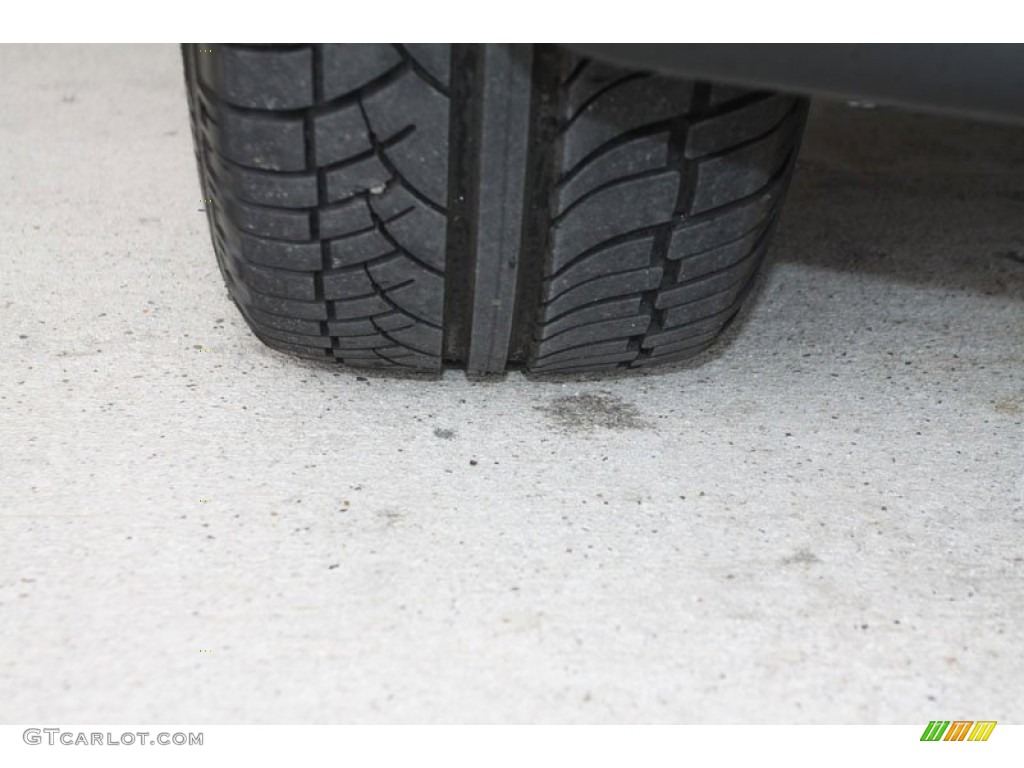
[444, 434]
[803, 557]
[588, 411]
[1011, 406]
[390, 516]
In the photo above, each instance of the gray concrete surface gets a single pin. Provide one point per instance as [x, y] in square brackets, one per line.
[823, 523]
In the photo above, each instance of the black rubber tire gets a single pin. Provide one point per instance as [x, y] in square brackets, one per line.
[404, 206]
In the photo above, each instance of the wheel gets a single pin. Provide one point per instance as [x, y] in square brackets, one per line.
[407, 206]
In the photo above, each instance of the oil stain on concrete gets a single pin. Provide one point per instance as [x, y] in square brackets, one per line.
[1010, 406]
[803, 557]
[589, 411]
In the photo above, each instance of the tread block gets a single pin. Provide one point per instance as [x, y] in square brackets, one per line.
[711, 324]
[363, 306]
[710, 285]
[392, 321]
[405, 358]
[351, 327]
[612, 347]
[605, 310]
[418, 337]
[358, 248]
[631, 254]
[598, 289]
[420, 231]
[741, 172]
[280, 254]
[340, 134]
[279, 282]
[265, 78]
[704, 307]
[421, 301]
[277, 223]
[694, 343]
[346, 282]
[615, 112]
[345, 218]
[355, 178]
[369, 360]
[284, 323]
[357, 356]
[296, 350]
[308, 310]
[409, 287]
[611, 212]
[645, 153]
[369, 341]
[680, 356]
[719, 132]
[262, 187]
[591, 77]
[591, 363]
[722, 258]
[709, 232]
[293, 338]
[267, 141]
[347, 67]
[435, 58]
[587, 334]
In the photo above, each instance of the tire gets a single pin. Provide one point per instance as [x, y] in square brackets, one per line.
[483, 205]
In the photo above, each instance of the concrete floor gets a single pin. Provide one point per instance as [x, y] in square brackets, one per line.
[823, 523]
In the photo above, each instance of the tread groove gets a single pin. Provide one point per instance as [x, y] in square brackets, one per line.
[463, 169]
